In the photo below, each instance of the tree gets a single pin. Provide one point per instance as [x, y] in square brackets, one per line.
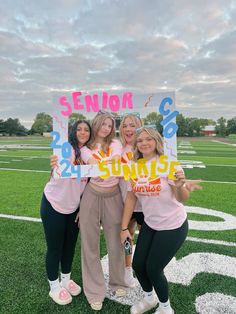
[42, 123]
[182, 127]
[13, 127]
[231, 126]
[2, 127]
[155, 119]
[75, 117]
[221, 127]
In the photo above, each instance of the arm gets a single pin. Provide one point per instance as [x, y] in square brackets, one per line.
[53, 161]
[130, 202]
[180, 190]
[193, 185]
[87, 156]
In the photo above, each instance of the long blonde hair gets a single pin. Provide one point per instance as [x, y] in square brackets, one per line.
[155, 135]
[96, 126]
[135, 119]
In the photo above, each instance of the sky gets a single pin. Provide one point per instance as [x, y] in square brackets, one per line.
[56, 47]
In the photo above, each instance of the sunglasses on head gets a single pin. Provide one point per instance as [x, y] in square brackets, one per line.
[153, 127]
[136, 114]
[100, 112]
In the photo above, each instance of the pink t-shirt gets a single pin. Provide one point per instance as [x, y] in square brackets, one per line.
[160, 207]
[114, 149]
[127, 155]
[64, 194]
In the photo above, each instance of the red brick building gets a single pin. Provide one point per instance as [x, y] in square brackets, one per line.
[209, 130]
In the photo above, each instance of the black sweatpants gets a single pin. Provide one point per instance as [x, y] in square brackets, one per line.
[154, 250]
[61, 233]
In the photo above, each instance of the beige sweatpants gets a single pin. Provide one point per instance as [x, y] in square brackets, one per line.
[99, 208]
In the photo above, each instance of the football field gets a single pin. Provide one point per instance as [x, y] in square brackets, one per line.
[203, 275]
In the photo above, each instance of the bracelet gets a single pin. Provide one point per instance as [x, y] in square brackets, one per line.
[124, 229]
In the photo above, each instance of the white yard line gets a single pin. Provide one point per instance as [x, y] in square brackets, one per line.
[20, 218]
[46, 157]
[218, 242]
[211, 241]
[224, 143]
[217, 165]
[24, 170]
[219, 182]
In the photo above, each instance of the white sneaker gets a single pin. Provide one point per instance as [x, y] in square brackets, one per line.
[163, 311]
[129, 278]
[143, 306]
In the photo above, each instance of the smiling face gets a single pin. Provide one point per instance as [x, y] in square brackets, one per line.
[146, 145]
[82, 133]
[128, 127]
[128, 131]
[106, 128]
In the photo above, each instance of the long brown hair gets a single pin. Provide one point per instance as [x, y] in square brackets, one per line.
[96, 126]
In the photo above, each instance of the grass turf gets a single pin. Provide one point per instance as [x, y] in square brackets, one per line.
[23, 246]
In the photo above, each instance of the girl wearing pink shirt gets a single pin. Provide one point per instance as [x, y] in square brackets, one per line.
[101, 204]
[128, 127]
[165, 224]
[59, 207]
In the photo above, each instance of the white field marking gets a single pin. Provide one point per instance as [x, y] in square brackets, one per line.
[184, 270]
[24, 170]
[229, 222]
[192, 164]
[225, 157]
[181, 271]
[218, 165]
[46, 157]
[224, 182]
[230, 144]
[189, 152]
[24, 146]
[218, 242]
[215, 303]
[4, 162]
[17, 160]
[21, 218]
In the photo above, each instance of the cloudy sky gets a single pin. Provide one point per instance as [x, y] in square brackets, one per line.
[60, 46]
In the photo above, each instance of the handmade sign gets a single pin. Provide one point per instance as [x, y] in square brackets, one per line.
[121, 104]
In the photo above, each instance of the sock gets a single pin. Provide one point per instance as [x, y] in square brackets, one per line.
[65, 278]
[54, 284]
[166, 307]
[148, 296]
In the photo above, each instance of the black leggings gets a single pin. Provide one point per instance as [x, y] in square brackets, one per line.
[154, 250]
[61, 234]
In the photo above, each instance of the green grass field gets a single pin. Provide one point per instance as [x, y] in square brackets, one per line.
[212, 253]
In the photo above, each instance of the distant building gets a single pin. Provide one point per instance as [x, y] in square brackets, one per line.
[209, 130]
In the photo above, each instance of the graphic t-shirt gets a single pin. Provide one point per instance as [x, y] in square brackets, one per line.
[160, 207]
[114, 149]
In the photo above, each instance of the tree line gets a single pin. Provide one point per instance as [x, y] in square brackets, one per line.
[186, 126]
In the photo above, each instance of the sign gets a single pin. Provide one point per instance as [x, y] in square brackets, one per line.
[121, 103]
